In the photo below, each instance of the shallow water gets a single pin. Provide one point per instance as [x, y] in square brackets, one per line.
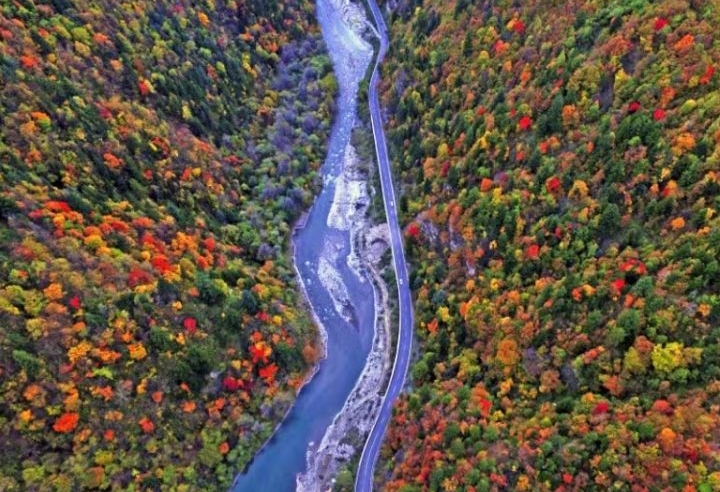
[275, 467]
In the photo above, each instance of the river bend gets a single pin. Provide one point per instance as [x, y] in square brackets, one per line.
[341, 298]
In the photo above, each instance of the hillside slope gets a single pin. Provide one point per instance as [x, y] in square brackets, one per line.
[153, 155]
[560, 169]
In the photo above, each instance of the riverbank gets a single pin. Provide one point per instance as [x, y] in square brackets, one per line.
[346, 435]
[340, 300]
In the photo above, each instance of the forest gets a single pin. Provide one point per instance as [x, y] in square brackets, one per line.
[154, 156]
[559, 165]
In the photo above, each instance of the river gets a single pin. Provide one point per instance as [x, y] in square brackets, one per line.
[321, 254]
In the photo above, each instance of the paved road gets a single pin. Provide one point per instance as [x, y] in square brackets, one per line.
[364, 478]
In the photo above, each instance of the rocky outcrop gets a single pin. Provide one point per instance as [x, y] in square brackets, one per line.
[354, 16]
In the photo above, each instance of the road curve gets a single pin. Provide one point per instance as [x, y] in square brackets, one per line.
[371, 451]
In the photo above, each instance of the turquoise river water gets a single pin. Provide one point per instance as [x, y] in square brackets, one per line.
[274, 468]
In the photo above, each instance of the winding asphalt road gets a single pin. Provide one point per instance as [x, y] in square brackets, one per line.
[371, 451]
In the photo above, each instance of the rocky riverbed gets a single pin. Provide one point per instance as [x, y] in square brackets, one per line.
[345, 437]
[336, 253]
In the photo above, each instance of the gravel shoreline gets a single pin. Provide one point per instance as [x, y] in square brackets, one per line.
[345, 437]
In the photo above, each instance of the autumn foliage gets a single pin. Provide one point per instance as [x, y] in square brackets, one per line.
[153, 157]
[561, 160]
[66, 422]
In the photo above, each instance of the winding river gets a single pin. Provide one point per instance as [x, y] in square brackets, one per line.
[341, 298]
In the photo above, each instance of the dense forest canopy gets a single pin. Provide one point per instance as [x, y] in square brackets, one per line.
[153, 156]
[560, 169]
